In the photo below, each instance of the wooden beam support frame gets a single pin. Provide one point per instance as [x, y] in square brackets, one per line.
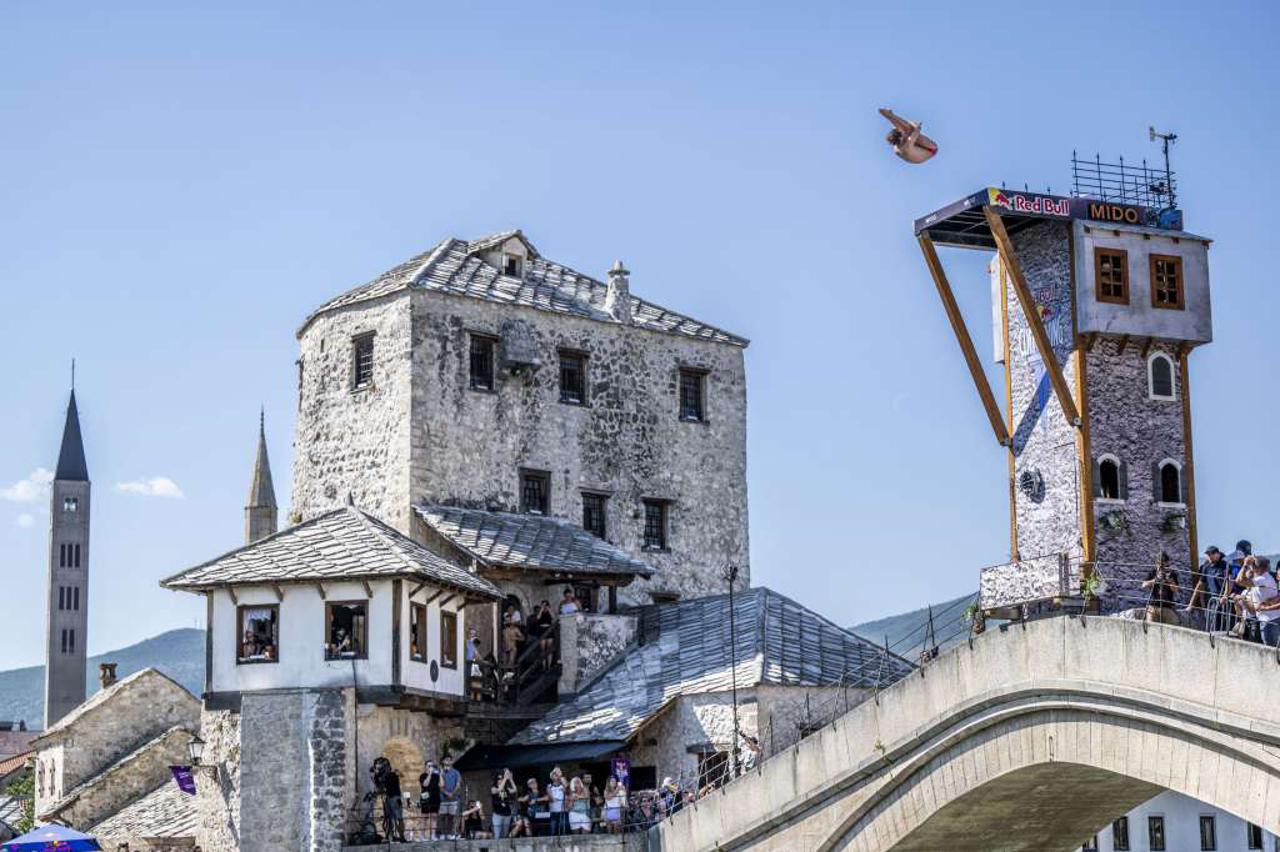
[1184, 376]
[417, 589]
[279, 591]
[235, 601]
[964, 339]
[437, 594]
[368, 590]
[1029, 308]
[320, 589]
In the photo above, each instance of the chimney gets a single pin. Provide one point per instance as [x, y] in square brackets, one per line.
[106, 674]
[617, 299]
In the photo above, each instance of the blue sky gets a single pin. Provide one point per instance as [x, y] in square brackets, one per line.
[183, 183]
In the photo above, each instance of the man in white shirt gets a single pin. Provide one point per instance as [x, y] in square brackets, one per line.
[1261, 598]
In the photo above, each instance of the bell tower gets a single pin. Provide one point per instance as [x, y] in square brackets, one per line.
[1098, 300]
[68, 603]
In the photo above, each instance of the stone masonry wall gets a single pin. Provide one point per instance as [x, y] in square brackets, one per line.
[354, 441]
[703, 722]
[626, 441]
[218, 789]
[128, 781]
[589, 643]
[786, 712]
[1044, 442]
[1126, 423]
[297, 769]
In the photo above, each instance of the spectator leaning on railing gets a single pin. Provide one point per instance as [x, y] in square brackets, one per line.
[1261, 598]
[1162, 582]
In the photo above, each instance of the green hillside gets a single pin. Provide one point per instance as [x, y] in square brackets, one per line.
[177, 653]
[906, 631]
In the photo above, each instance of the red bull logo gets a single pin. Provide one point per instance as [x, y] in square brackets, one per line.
[1036, 205]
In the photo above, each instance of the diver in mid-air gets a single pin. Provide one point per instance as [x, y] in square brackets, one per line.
[907, 140]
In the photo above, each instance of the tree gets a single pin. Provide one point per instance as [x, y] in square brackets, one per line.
[25, 788]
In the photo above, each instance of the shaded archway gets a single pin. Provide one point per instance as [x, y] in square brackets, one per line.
[406, 759]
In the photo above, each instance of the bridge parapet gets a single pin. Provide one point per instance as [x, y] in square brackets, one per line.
[1121, 708]
[1025, 581]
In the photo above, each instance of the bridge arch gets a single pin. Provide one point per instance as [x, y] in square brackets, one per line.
[1032, 737]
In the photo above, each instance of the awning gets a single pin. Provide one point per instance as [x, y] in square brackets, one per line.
[515, 756]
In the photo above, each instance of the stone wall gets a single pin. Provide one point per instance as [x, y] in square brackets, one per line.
[590, 643]
[297, 769]
[218, 785]
[407, 738]
[691, 725]
[786, 713]
[127, 780]
[354, 441]
[626, 441]
[1139, 431]
[569, 843]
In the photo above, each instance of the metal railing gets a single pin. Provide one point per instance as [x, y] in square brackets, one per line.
[1124, 183]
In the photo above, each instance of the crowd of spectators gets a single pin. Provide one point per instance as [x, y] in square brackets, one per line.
[1236, 594]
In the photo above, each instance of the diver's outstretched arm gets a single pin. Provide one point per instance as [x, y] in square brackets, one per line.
[907, 127]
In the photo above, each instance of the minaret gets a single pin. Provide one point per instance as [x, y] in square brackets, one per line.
[68, 575]
[260, 511]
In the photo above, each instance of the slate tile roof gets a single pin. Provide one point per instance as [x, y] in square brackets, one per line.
[529, 542]
[165, 812]
[455, 266]
[686, 650]
[100, 698]
[162, 741]
[11, 812]
[341, 544]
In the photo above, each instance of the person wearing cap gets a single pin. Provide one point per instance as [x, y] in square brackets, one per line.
[1208, 582]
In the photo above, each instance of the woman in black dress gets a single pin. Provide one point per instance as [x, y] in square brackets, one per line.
[429, 799]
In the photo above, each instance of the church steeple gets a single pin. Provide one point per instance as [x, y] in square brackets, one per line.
[68, 601]
[71, 463]
[260, 510]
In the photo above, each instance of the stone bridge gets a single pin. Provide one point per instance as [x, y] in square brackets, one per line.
[1029, 739]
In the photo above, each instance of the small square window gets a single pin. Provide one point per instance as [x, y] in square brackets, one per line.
[346, 630]
[655, 524]
[1166, 282]
[573, 377]
[593, 514]
[71, 504]
[258, 632]
[1111, 271]
[513, 265]
[535, 492]
[692, 393]
[418, 633]
[362, 361]
[448, 639]
[481, 362]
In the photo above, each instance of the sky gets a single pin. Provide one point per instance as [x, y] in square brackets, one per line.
[183, 183]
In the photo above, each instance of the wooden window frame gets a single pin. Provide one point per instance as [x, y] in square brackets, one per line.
[664, 507]
[1208, 843]
[1151, 378]
[1152, 821]
[589, 496]
[486, 384]
[566, 397]
[700, 376]
[241, 659]
[358, 341]
[418, 619]
[1178, 282]
[448, 645]
[545, 477]
[1098, 253]
[364, 638]
[1120, 840]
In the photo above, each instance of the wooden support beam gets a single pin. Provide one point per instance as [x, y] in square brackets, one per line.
[417, 589]
[447, 600]
[1184, 377]
[368, 590]
[1010, 450]
[964, 339]
[320, 589]
[1146, 346]
[232, 592]
[1090, 340]
[1124, 342]
[1029, 308]
[437, 594]
[279, 591]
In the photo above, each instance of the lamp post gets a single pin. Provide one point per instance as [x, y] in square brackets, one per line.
[730, 576]
[195, 750]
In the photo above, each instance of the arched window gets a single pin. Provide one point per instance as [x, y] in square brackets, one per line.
[1109, 479]
[1168, 482]
[1160, 376]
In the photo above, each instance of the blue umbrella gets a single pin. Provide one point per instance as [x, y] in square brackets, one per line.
[52, 838]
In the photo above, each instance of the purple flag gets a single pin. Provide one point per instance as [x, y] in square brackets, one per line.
[186, 780]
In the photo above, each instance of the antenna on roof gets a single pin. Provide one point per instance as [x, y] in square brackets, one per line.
[1166, 139]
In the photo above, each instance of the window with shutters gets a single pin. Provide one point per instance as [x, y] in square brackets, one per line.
[1168, 483]
[1166, 282]
[1111, 273]
[362, 361]
[1160, 377]
[1155, 834]
[1120, 835]
[482, 348]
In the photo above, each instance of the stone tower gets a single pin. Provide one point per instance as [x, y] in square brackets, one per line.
[260, 510]
[1096, 308]
[68, 604]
